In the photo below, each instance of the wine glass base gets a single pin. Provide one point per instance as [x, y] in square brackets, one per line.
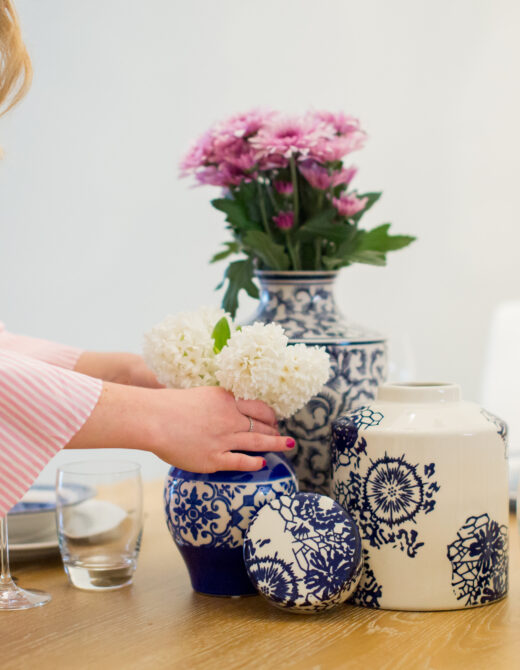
[14, 598]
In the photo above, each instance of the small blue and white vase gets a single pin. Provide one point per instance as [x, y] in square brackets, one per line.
[425, 477]
[303, 304]
[208, 514]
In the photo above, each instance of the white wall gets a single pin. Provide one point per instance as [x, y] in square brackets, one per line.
[99, 239]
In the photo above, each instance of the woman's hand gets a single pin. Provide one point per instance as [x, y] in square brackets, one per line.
[120, 368]
[200, 430]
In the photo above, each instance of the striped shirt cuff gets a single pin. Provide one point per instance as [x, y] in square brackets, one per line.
[42, 407]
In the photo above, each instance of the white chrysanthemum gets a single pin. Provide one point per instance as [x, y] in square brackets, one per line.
[180, 348]
[257, 364]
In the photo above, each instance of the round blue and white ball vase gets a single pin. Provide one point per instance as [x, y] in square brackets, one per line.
[208, 515]
[425, 476]
[303, 553]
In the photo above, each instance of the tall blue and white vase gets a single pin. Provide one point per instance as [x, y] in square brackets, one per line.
[303, 304]
[208, 515]
[425, 477]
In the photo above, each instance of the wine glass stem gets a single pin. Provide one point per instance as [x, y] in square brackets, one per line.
[5, 574]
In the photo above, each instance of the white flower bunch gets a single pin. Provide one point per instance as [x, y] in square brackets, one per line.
[180, 349]
[258, 364]
[254, 362]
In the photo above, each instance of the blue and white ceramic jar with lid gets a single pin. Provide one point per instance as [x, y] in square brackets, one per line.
[208, 515]
[303, 303]
[425, 477]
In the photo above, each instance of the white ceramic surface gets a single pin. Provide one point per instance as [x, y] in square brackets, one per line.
[425, 476]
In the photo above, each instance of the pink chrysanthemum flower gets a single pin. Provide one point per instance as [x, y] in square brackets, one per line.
[346, 136]
[199, 155]
[343, 176]
[230, 138]
[321, 178]
[285, 137]
[284, 187]
[349, 204]
[245, 124]
[284, 220]
[342, 123]
[223, 156]
[317, 175]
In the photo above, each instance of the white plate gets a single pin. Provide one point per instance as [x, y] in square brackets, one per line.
[93, 519]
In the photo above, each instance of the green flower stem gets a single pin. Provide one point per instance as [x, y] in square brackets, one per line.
[294, 178]
[317, 257]
[262, 209]
[292, 252]
[271, 198]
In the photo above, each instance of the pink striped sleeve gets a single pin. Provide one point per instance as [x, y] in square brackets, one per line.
[43, 350]
[41, 408]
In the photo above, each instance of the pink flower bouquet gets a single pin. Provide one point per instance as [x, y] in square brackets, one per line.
[288, 201]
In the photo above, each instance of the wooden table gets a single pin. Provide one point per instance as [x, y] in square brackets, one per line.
[160, 623]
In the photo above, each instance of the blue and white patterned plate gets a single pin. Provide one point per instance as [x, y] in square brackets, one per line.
[42, 498]
[33, 518]
[303, 552]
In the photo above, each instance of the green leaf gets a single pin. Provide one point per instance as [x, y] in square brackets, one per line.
[378, 239]
[221, 334]
[272, 254]
[236, 213]
[367, 256]
[232, 248]
[322, 225]
[240, 277]
[333, 263]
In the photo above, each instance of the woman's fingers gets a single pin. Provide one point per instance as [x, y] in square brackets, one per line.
[259, 442]
[236, 461]
[258, 410]
[255, 426]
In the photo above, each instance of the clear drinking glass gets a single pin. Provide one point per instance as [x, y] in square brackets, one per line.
[100, 537]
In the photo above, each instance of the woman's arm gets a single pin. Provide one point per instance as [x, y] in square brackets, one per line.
[122, 368]
[199, 429]
[118, 367]
[44, 408]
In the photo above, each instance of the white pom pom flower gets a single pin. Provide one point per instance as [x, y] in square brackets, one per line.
[257, 364]
[180, 349]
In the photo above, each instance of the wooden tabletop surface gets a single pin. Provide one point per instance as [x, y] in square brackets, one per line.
[159, 622]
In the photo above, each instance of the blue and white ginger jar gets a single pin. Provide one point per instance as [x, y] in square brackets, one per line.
[303, 304]
[208, 514]
[425, 477]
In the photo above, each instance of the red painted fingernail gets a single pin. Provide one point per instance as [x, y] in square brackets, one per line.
[264, 462]
[290, 443]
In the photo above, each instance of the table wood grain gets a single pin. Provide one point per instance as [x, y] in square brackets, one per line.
[159, 622]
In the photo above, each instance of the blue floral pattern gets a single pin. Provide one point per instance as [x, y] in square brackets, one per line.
[500, 425]
[393, 490]
[321, 561]
[385, 495]
[216, 514]
[479, 561]
[304, 306]
[368, 592]
[357, 371]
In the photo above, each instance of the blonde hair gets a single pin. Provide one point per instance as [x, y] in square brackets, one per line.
[15, 64]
